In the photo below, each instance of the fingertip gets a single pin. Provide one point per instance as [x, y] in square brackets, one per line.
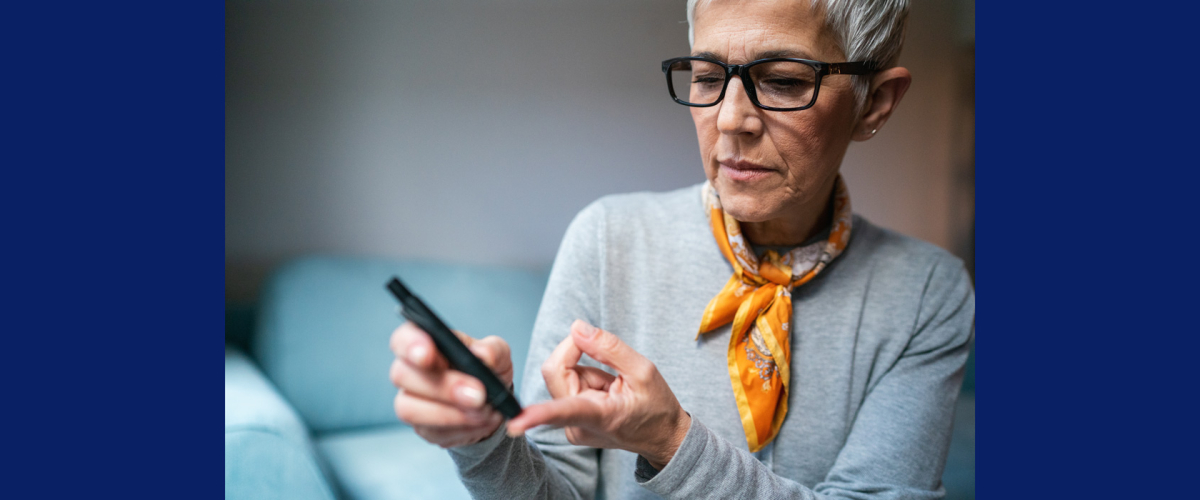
[469, 396]
[418, 354]
[521, 423]
[584, 329]
[401, 338]
[514, 428]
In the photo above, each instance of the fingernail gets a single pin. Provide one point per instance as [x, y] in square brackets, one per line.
[417, 354]
[587, 330]
[470, 396]
[511, 432]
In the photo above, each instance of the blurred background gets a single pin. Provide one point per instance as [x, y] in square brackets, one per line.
[473, 131]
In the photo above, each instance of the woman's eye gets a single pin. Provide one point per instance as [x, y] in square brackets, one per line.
[787, 83]
[707, 84]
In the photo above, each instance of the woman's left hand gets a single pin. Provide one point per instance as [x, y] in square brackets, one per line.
[634, 411]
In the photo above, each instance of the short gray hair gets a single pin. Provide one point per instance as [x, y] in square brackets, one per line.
[865, 30]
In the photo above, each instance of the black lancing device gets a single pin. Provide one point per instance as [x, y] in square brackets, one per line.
[460, 357]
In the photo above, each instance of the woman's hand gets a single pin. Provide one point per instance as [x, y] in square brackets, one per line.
[445, 407]
[634, 410]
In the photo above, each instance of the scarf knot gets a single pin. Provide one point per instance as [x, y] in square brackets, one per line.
[757, 300]
[771, 269]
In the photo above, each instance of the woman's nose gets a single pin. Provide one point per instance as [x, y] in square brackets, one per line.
[737, 114]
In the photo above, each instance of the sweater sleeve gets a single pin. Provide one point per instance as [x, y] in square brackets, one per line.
[897, 446]
[543, 464]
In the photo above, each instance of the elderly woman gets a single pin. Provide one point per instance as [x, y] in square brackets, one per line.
[748, 337]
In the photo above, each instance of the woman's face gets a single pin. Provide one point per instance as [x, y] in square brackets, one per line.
[768, 164]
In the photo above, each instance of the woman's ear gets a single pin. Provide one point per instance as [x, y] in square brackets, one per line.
[887, 88]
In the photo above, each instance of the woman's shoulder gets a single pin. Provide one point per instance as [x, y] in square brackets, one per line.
[654, 203]
[908, 274]
[885, 243]
[634, 225]
[644, 209]
[887, 255]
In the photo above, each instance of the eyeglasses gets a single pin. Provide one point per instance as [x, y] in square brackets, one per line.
[776, 84]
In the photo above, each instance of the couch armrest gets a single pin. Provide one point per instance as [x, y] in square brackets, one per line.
[268, 453]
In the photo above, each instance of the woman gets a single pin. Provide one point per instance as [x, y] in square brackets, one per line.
[752, 337]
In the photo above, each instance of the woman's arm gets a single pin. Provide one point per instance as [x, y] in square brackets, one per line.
[898, 444]
[896, 448]
[543, 464]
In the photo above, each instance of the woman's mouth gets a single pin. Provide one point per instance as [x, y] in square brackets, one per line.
[743, 171]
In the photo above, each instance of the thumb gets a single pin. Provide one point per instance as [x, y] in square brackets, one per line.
[494, 352]
[607, 348]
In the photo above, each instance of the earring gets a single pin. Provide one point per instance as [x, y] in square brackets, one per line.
[874, 130]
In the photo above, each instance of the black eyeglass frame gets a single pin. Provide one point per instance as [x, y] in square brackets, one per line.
[743, 73]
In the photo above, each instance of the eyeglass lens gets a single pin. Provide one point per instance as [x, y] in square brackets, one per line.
[779, 84]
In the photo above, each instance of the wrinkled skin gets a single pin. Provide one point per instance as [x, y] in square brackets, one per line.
[797, 153]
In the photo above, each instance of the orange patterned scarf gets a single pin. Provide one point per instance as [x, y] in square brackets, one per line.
[758, 300]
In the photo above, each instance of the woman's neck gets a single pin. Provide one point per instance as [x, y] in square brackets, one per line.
[795, 228]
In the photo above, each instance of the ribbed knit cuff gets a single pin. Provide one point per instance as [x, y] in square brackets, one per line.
[485, 447]
[676, 471]
[644, 471]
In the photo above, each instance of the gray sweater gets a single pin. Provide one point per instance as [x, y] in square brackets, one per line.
[879, 341]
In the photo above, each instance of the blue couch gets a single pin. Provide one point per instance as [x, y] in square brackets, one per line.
[308, 403]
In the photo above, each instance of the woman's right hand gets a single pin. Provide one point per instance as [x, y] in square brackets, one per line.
[446, 407]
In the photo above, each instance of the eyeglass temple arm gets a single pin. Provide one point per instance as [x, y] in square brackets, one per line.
[852, 68]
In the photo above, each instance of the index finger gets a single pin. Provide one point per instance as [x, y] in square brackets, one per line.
[412, 345]
[574, 410]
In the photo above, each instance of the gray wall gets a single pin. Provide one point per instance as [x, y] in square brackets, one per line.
[474, 131]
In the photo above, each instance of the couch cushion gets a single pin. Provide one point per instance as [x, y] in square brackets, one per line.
[324, 323]
[251, 402]
[262, 465]
[267, 450]
[390, 462]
